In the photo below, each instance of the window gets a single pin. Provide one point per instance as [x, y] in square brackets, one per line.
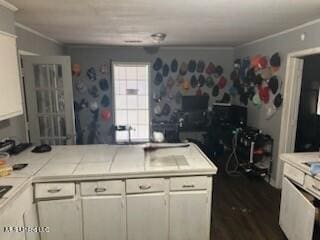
[131, 100]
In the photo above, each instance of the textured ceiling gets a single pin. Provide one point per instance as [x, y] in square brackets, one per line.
[186, 22]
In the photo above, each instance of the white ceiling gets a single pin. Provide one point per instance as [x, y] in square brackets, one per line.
[186, 22]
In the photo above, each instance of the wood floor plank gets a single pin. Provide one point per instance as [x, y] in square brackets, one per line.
[244, 208]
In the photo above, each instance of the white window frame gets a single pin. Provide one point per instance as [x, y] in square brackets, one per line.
[133, 63]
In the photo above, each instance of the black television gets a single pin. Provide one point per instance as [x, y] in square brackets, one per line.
[194, 103]
[231, 114]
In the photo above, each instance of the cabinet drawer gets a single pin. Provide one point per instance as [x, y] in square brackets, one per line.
[188, 183]
[54, 190]
[145, 185]
[293, 174]
[313, 185]
[102, 188]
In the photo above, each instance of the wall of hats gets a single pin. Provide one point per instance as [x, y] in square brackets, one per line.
[255, 79]
[194, 77]
[171, 78]
[92, 103]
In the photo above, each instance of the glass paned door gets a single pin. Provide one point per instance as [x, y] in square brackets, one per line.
[49, 99]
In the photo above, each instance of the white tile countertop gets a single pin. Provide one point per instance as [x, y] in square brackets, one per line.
[299, 159]
[122, 161]
[88, 162]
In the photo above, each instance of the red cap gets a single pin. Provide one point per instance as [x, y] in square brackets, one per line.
[222, 82]
[262, 62]
[264, 94]
[106, 115]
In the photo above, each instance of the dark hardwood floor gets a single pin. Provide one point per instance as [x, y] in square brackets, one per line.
[244, 208]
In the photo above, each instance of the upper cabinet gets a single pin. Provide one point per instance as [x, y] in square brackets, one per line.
[10, 95]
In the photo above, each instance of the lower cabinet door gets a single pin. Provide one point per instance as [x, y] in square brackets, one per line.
[297, 214]
[189, 216]
[147, 216]
[30, 219]
[104, 218]
[62, 217]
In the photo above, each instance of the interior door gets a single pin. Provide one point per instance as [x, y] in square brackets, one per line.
[49, 99]
[297, 214]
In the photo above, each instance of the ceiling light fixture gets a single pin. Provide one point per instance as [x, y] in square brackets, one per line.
[158, 37]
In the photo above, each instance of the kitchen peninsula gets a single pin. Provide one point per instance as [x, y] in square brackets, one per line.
[111, 192]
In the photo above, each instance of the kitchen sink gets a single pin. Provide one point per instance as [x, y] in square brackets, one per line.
[168, 161]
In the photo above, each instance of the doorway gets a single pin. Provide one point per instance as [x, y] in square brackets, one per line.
[308, 125]
[290, 110]
[49, 99]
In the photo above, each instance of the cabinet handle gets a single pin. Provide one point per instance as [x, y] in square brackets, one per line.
[315, 187]
[144, 187]
[99, 189]
[188, 186]
[54, 190]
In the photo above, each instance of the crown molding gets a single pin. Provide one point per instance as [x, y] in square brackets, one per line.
[19, 25]
[280, 33]
[149, 46]
[9, 6]
[8, 34]
[198, 47]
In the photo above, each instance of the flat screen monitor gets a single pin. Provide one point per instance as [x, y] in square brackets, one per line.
[194, 103]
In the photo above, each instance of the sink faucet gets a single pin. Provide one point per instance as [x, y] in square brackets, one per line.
[128, 128]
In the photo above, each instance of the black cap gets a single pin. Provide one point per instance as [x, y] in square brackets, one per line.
[104, 85]
[194, 81]
[174, 65]
[278, 100]
[158, 79]
[157, 65]
[202, 80]
[273, 84]
[165, 70]
[275, 60]
[166, 110]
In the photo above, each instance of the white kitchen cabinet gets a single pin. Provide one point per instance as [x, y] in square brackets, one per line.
[62, 217]
[147, 216]
[30, 219]
[104, 218]
[10, 96]
[297, 213]
[13, 217]
[189, 215]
